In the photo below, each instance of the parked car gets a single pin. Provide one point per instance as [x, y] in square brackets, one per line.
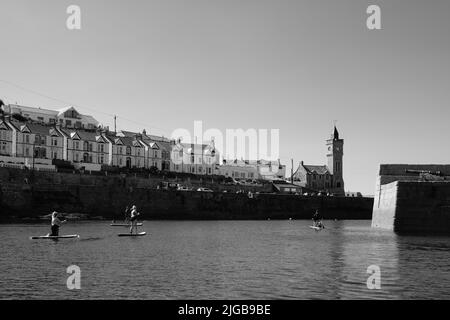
[183, 188]
[204, 190]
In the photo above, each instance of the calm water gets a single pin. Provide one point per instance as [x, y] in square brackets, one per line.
[223, 260]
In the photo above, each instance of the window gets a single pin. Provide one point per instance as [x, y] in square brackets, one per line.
[192, 159]
[192, 169]
[77, 157]
[128, 151]
[209, 170]
[55, 142]
[68, 123]
[27, 138]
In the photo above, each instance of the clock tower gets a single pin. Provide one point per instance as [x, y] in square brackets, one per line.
[335, 154]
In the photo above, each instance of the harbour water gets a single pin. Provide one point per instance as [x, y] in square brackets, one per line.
[223, 260]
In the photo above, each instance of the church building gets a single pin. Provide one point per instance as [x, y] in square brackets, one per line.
[325, 178]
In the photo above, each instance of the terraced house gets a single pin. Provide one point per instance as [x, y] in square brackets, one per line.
[87, 147]
[38, 141]
[156, 153]
[5, 138]
[127, 152]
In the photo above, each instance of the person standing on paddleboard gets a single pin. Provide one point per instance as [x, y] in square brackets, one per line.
[127, 213]
[134, 216]
[317, 219]
[56, 223]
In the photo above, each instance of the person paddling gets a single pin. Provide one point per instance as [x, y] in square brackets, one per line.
[127, 214]
[56, 223]
[134, 216]
[317, 219]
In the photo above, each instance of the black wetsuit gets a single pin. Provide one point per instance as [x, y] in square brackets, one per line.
[55, 230]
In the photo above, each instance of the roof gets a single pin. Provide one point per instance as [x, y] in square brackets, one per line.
[129, 141]
[83, 134]
[313, 169]
[145, 136]
[193, 147]
[35, 128]
[35, 109]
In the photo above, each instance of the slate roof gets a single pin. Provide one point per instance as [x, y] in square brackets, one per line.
[316, 169]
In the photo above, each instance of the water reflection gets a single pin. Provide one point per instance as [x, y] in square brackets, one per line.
[224, 260]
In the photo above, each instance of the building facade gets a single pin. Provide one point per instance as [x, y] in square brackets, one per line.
[328, 178]
[254, 170]
[66, 117]
[201, 159]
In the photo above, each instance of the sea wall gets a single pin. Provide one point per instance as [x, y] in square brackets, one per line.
[108, 196]
[413, 207]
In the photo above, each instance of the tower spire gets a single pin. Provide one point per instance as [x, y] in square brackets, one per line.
[336, 133]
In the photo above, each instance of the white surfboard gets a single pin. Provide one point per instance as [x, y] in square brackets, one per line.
[139, 224]
[132, 234]
[316, 228]
[70, 236]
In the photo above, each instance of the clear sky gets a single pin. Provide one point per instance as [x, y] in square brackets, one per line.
[291, 65]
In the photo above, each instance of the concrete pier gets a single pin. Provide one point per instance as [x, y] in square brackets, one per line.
[407, 202]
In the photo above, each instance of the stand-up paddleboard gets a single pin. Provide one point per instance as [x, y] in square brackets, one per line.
[70, 236]
[139, 224]
[132, 234]
[317, 228]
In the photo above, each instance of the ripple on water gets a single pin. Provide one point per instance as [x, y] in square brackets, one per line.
[224, 260]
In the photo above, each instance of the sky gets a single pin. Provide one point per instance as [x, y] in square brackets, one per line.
[291, 65]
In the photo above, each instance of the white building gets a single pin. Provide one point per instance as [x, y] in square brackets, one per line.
[194, 158]
[260, 169]
[67, 117]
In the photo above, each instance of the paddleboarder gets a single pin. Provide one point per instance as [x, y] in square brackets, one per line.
[134, 216]
[317, 219]
[127, 213]
[56, 223]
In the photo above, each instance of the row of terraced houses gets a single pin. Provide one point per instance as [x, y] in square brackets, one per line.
[35, 137]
